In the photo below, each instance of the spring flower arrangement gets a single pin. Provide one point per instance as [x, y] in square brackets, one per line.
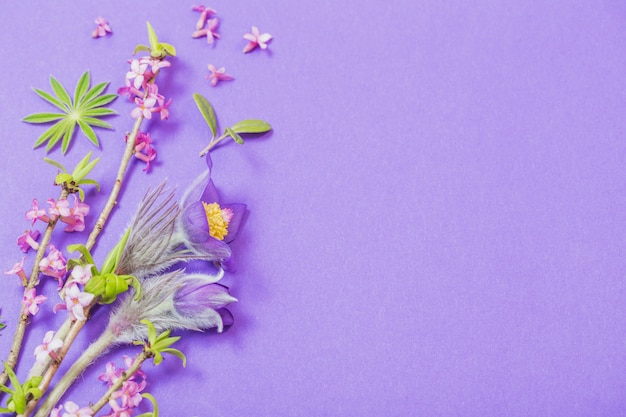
[142, 282]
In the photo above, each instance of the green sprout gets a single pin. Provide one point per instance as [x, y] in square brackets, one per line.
[21, 394]
[159, 344]
[72, 182]
[83, 110]
[157, 49]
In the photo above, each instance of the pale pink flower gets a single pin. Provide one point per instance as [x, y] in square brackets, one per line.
[56, 412]
[53, 265]
[111, 374]
[75, 301]
[130, 393]
[144, 108]
[81, 274]
[59, 207]
[256, 39]
[18, 269]
[130, 90]
[28, 240]
[102, 29]
[205, 13]
[217, 75]
[36, 213]
[118, 411]
[48, 347]
[76, 219]
[136, 73]
[155, 64]
[31, 302]
[74, 411]
[210, 31]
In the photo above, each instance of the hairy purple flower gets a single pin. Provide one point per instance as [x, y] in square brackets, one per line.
[205, 226]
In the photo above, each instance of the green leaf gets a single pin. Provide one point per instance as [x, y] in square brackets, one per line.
[51, 99]
[90, 182]
[81, 88]
[49, 133]
[95, 91]
[100, 101]
[88, 131]
[67, 136]
[60, 91]
[113, 258]
[154, 41]
[207, 111]
[101, 111]
[234, 135]
[155, 413]
[82, 249]
[97, 122]
[57, 135]
[169, 49]
[251, 126]
[43, 117]
[180, 355]
[82, 163]
[56, 164]
[151, 330]
[140, 48]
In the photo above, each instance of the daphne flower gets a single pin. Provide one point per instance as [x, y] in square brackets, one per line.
[256, 39]
[18, 269]
[205, 225]
[154, 64]
[118, 411]
[48, 347]
[81, 274]
[73, 410]
[136, 73]
[28, 240]
[205, 13]
[59, 207]
[218, 75]
[76, 219]
[53, 265]
[36, 213]
[130, 90]
[75, 301]
[210, 31]
[102, 29]
[31, 302]
[144, 108]
[130, 393]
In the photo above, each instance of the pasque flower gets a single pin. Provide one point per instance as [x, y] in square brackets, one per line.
[206, 226]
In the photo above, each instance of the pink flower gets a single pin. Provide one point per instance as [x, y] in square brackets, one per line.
[36, 213]
[48, 347]
[31, 302]
[111, 374]
[28, 240]
[75, 220]
[136, 73]
[218, 75]
[59, 207]
[210, 31]
[117, 411]
[53, 265]
[144, 108]
[81, 274]
[130, 393]
[256, 39]
[205, 13]
[75, 301]
[129, 90]
[143, 149]
[74, 411]
[102, 29]
[155, 64]
[18, 269]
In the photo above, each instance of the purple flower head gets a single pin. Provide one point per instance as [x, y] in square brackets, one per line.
[205, 225]
[201, 300]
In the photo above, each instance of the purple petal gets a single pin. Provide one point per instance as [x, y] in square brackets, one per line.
[210, 194]
[227, 318]
[195, 190]
[233, 226]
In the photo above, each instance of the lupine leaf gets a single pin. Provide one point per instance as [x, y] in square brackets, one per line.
[60, 91]
[81, 88]
[95, 91]
[43, 117]
[101, 100]
[99, 112]
[88, 131]
[97, 122]
[51, 99]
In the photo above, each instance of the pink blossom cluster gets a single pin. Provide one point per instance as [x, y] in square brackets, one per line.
[54, 265]
[144, 151]
[102, 28]
[72, 410]
[141, 88]
[75, 298]
[74, 216]
[128, 397]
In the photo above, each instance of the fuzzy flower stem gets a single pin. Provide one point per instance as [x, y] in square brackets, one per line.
[89, 355]
[20, 329]
[126, 375]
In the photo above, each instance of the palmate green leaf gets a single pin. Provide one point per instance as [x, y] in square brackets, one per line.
[207, 111]
[84, 110]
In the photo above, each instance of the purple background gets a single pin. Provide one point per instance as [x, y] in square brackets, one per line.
[435, 225]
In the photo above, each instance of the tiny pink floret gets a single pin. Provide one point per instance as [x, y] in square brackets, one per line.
[53, 265]
[256, 38]
[31, 302]
[217, 75]
[102, 29]
[48, 347]
[36, 213]
[28, 240]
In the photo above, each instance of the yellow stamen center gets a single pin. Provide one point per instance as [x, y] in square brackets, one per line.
[218, 224]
